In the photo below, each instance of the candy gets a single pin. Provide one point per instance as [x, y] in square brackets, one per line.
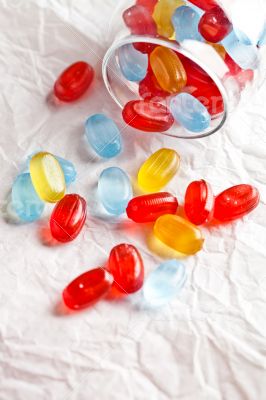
[185, 21]
[168, 69]
[126, 266]
[103, 135]
[88, 288]
[241, 76]
[178, 234]
[47, 177]
[164, 283]
[139, 20]
[158, 170]
[74, 81]
[246, 56]
[210, 97]
[133, 64]
[147, 116]
[214, 25]
[68, 218]
[190, 113]
[150, 207]
[219, 49]
[262, 39]
[149, 88]
[114, 190]
[236, 202]
[69, 170]
[162, 15]
[25, 201]
[199, 202]
[149, 4]
[204, 4]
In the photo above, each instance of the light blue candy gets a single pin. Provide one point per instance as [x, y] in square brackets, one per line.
[164, 283]
[262, 39]
[133, 63]
[190, 113]
[25, 201]
[114, 190]
[103, 135]
[186, 21]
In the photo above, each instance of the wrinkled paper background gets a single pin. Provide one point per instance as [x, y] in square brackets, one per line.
[209, 344]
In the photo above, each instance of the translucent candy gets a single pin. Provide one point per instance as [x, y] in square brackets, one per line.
[158, 170]
[147, 116]
[150, 207]
[115, 190]
[74, 81]
[185, 21]
[164, 283]
[88, 288]
[149, 88]
[133, 64]
[168, 69]
[126, 266]
[139, 20]
[69, 170]
[179, 234]
[199, 202]
[149, 4]
[262, 39]
[162, 15]
[214, 25]
[68, 218]
[25, 201]
[190, 113]
[103, 135]
[243, 77]
[204, 4]
[236, 202]
[47, 177]
[246, 56]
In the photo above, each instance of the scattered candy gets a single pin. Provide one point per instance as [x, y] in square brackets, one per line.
[150, 207]
[214, 25]
[47, 177]
[69, 170]
[162, 15]
[163, 284]
[74, 81]
[199, 202]
[115, 190]
[158, 170]
[103, 135]
[236, 202]
[204, 4]
[25, 201]
[186, 21]
[133, 64]
[179, 234]
[149, 88]
[68, 218]
[87, 288]
[168, 69]
[126, 266]
[190, 113]
[139, 20]
[147, 116]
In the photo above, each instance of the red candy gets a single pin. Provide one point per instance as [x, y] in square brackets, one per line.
[150, 207]
[139, 20]
[149, 4]
[149, 88]
[242, 76]
[199, 202]
[68, 218]
[147, 116]
[214, 25]
[126, 266]
[74, 81]
[204, 4]
[211, 98]
[236, 202]
[87, 288]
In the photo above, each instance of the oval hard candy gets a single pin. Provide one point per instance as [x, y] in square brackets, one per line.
[199, 202]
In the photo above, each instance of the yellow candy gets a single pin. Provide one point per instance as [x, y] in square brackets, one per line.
[47, 177]
[168, 69]
[219, 48]
[179, 234]
[162, 15]
[158, 170]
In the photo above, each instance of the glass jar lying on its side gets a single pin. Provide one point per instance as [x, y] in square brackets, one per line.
[178, 67]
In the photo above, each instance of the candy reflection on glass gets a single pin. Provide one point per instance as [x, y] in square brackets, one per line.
[25, 201]
[190, 112]
[74, 81]
[139, 21]
[133, 64]
[162, 15]
[114, 190]
[164, 283]
[214, 25]
[149, 88]
[199, 202]
[150, 207]
[88, 288]
[126, 266]
[185, 21]
[158, 170]
[103, 135]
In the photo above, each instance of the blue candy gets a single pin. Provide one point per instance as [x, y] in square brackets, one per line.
[103, 135]
[164, 283]
[186, 21]
[133, 63]
[25, 201]
[262, 39]
[190, 113]
[114, 190]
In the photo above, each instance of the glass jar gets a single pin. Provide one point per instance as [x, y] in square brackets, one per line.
[220, 48]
